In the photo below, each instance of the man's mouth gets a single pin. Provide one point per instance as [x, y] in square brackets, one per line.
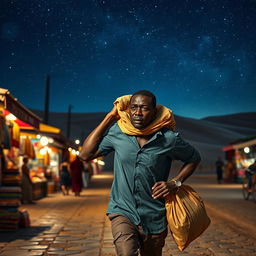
[138, 120]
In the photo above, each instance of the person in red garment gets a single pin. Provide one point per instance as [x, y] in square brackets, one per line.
[77, 168]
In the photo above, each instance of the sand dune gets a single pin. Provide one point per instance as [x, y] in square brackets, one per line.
[239, 120]
[212, 132]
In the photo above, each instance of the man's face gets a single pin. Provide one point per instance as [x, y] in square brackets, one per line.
[141, 111]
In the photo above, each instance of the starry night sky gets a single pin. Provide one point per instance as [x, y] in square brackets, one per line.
[198, 57]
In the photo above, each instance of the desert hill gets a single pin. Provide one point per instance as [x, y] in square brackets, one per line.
[240, 119]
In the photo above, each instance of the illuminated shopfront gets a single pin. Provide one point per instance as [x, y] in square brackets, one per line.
[13, 116]
[51, 147]
[242, 154]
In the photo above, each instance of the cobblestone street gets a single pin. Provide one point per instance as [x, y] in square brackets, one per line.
[68, 225]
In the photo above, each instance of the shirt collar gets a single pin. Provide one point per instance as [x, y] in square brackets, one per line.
[156, 135]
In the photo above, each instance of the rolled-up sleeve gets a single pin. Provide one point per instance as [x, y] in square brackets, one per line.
[184, 152]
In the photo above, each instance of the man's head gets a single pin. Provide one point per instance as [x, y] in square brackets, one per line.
[142, 109]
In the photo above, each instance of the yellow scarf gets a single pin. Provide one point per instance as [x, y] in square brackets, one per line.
[164, 118]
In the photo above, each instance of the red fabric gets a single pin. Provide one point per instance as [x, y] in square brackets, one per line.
[14, 142]
[76, 174]
[18, 121]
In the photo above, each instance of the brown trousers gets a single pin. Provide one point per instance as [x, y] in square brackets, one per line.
[130, 240]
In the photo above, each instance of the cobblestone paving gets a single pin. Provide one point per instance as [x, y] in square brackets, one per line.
[218, 240]
[78, 226]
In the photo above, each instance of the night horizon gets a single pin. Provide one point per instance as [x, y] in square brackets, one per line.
[98, 112]
[197, 57]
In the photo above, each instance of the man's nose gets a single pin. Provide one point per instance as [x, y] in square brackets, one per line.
[138, 111]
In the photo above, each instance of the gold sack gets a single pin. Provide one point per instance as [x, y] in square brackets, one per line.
[186, 216]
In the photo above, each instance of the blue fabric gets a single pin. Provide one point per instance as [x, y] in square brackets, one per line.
[137, 169]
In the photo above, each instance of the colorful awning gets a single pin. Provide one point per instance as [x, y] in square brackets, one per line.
[239, 145]
[12, 105]
[49, 129]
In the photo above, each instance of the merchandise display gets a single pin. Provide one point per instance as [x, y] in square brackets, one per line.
[13, 115]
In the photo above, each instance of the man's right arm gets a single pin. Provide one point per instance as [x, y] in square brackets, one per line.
[90, 146]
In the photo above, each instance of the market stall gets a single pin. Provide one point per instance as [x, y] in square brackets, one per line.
[13, 115]
[51, 146]
[241, 154]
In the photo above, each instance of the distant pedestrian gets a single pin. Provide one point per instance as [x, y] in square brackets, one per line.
[65, 178]
[77, 168]
[26, 183]
[219, 170]
[86, 174]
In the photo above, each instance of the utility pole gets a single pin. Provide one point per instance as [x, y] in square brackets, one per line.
[46, 101]
[69, 120]
[82, 137]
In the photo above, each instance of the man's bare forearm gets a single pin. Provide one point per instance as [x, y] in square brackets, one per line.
[186, 170]
[91, 143]
[162, 188]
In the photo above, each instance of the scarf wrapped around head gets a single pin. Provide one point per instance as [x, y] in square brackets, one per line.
[164, 118]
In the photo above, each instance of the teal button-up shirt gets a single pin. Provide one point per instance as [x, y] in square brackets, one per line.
[137, 169]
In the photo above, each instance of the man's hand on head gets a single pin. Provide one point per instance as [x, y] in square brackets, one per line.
[162, 189]
[114, 113]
